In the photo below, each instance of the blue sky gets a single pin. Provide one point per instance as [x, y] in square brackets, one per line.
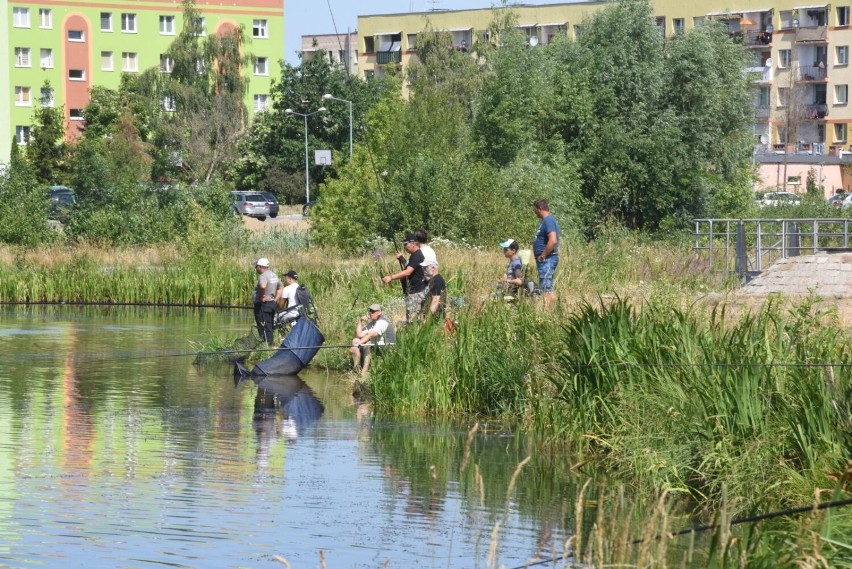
[302, 17]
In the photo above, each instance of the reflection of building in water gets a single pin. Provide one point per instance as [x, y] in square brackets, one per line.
[78, 432]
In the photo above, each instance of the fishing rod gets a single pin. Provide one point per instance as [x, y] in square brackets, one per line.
[114, 303]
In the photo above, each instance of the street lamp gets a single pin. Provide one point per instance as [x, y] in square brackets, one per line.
[307, 176]
[330, 97]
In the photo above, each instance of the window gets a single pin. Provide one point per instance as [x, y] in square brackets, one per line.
[46, 97]
[106, 61]
[260, 67]
[261, 103]
[129, 61]
[75, 114]
[167, 25]
[579, 31]
[106, 21]
[45, 18]
[370, 44]
[698, 21]
[200, 66]
[842, 55]
[77, 74]
[786, 19]
[785, 57]
[794, 180]
[76, 35]
[169, 103]
[201, 26]
[166, 63]
[840, 132]
[661, 26]
[21, 17]
[412, 41]
[23, 98]
[843, 15]
[259, 29]
[128, 23]
[783, 96]
[22, 57]
[679, 26]
[22, 134]
[46, 58]
[841, 94]
[763, 98]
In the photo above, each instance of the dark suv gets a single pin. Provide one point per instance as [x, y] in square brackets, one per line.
[61, 199]
[273, 203]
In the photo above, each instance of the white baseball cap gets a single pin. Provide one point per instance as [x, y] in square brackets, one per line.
[262, 262]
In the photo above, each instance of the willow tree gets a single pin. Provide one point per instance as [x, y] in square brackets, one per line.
[199, 90]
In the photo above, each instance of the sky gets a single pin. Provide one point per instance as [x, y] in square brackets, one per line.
[303, 17]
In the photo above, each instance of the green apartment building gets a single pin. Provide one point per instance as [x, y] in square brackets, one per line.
[76, 45]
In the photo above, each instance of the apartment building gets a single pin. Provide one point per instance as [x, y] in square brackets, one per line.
[76, 45]
[340, 49]
[799, 53]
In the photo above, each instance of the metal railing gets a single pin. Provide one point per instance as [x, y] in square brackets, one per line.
[748, 246]
[385, 57]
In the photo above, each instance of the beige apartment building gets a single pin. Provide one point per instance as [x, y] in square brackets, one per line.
[800, 55]
[340, 49]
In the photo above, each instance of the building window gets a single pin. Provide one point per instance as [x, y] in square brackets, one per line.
[783, 96]
[106, 21]
[76, 35]
[412, 41]
[22, 134]
[786, 19]
[128, 23]
[46, 97]
[129, 61]
[260, 67]
[841, 94]
[842, 55]
[21, 17]
[784, 58]
[23, 97]
[46, 58]
[200, 66]
[843, 15]
[840, 132]
[661, 26]
[763, 98]
[167, 25]
[166, 63]
[259, 29]
[169, 104]
[201, 26]
[679, 26]
[261, 103]
[698, 21]
[22, 57]
[579, 31]
[369, 44]
[75, 114]
[77, 74]
[45, 18]
[106, 61]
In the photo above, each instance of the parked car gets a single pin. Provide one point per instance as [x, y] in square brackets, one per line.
[839, 200]
[772, 199]
[273, 204]
[252, 204]
[306, 209]
[62, 198]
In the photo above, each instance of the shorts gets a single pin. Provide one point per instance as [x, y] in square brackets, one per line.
[546, 271]
[414, 304]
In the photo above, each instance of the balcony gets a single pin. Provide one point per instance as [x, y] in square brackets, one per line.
[813, 73]
[386, 57]
[754, 38]
[816, 112]
[813, 34]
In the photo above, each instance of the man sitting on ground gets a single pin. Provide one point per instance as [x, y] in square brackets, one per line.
[513, 279]
[372, 330]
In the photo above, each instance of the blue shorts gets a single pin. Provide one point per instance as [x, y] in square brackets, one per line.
[546, 270]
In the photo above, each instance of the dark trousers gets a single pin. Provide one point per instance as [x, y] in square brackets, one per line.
[264, 315]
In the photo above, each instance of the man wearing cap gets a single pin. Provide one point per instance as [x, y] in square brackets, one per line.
[373, 330]
[287, 302]
[413, 282]
[546, 248]
[436, 297]
[513, 279]
[265, 292]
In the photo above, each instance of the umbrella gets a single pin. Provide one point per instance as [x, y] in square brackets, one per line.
[747, 22]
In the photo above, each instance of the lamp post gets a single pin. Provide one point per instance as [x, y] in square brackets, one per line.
[330, 97]
[307, 176]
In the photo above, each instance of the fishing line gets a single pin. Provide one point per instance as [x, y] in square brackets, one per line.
[114, 303]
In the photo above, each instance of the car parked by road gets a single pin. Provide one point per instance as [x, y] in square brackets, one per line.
[62, 198]
[273, 204]
[774, 199]
[252, 204]
[839, 200]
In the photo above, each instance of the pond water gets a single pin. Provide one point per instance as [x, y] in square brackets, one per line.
[118, 451]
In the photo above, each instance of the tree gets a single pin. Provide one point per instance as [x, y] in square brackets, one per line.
[46, 150]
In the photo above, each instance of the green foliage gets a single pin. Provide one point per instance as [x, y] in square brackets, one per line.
[23, 205]
[46, 150]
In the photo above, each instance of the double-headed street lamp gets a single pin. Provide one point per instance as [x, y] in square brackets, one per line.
[307, 176]
[330, 97]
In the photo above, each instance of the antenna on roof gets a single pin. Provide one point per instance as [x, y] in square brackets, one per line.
[434, 4]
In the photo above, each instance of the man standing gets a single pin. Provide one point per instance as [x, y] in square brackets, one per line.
[264, 299]
[546, 249]
[436, 297]
[373, 330]
[513, 280]
[411, 276]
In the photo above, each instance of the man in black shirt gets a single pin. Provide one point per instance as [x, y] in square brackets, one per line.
[436, 295]
[411, 276]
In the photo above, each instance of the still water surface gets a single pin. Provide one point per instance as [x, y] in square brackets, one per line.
[117, 451]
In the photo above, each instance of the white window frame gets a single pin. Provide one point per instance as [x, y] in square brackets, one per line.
[46, 97]
[45, 18]
[167, 64]
[169, 104]
[261, 102]
[783, 96]
[261, 66]
[107, 61]
[22, 57]
[841, 55]
[843, 15]
[841, 94]
[20, 17]
[841, 132]
[678, 26]
[130, 61]
[785, 58]
[23, 96]
[74, 37]
[76, 115]
[82, 76]
[128, 23]
[167, 25]
[106, 17]
[46, 62]
[22, 134]
[260, 29]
